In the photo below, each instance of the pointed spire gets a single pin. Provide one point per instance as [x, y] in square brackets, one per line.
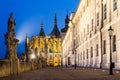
[55, 32]
[27, 39]
[67, 20]
[42, 24]
[67, 13]
[66, 23]
[42, 33]
[26, 35]
[27, 46]
[26, 43]
[55, 20]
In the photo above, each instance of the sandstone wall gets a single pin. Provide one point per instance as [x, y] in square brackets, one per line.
[5, 69]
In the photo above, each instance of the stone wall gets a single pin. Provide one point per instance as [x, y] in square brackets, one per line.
[5, 69]
[24, 67]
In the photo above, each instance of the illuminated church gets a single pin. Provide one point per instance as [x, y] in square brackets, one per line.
[47, 47]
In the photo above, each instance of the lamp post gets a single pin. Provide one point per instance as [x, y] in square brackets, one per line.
[110, 30]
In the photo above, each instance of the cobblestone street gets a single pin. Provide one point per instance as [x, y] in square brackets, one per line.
[66, 74]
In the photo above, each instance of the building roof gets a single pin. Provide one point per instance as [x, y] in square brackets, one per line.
[66, 24]
[55, 32]
[42, 33]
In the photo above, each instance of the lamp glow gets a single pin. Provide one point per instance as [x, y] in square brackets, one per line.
[32, 56]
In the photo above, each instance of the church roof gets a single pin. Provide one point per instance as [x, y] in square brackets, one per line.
[42, 33]
[66, 24]
[64, 29]
[55, 32]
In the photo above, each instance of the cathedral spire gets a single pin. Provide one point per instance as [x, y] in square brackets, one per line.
[66, 23]
[67, 20]
[42, 33]
[26, 43]
[55, 21]
[55, 32]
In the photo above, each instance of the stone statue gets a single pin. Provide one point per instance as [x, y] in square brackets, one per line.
[11, 22]
[10, 38]
[11, 44]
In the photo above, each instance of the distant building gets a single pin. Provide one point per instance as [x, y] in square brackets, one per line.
[87, 41]
[46, 47]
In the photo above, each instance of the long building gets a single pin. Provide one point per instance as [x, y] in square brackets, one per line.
[87, 41]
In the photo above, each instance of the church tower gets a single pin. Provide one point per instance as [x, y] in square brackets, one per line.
[42, 38]
[64, 30]
[27, 48]
[42, 33]
[55, 32]
[54, 46]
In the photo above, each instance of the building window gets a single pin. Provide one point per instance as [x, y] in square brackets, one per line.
[83, 55]
[88, 29]
[114, 43]
[83, 9]
[96, 49]
[50, 57]
[92, 25]
[87, 53]
[69, 61]
[95, 30]
[104, 47]
[91, 51]
[114, 5]
[87, 3]
[97, 19]
[84, 32]
[105, 11]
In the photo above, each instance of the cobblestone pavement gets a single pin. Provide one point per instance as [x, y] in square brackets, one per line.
[66, 74]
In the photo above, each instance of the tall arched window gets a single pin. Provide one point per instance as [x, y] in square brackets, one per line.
[114, 43]
[91, 52]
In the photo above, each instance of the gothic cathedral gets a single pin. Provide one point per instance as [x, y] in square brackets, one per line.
[47, 47]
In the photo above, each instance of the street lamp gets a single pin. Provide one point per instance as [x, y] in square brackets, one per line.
[110, 30]
[33, 56]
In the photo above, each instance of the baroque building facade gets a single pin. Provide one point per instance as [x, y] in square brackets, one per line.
[48, 47]
[87, 43]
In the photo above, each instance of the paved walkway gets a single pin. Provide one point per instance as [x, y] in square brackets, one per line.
[66, 74]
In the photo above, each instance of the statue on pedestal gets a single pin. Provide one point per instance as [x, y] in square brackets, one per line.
[11, 44]
[10, 38]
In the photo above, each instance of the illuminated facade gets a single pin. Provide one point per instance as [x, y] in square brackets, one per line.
[46, 47]
[87, 41]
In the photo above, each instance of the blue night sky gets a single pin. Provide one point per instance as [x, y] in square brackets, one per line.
[28, 15]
